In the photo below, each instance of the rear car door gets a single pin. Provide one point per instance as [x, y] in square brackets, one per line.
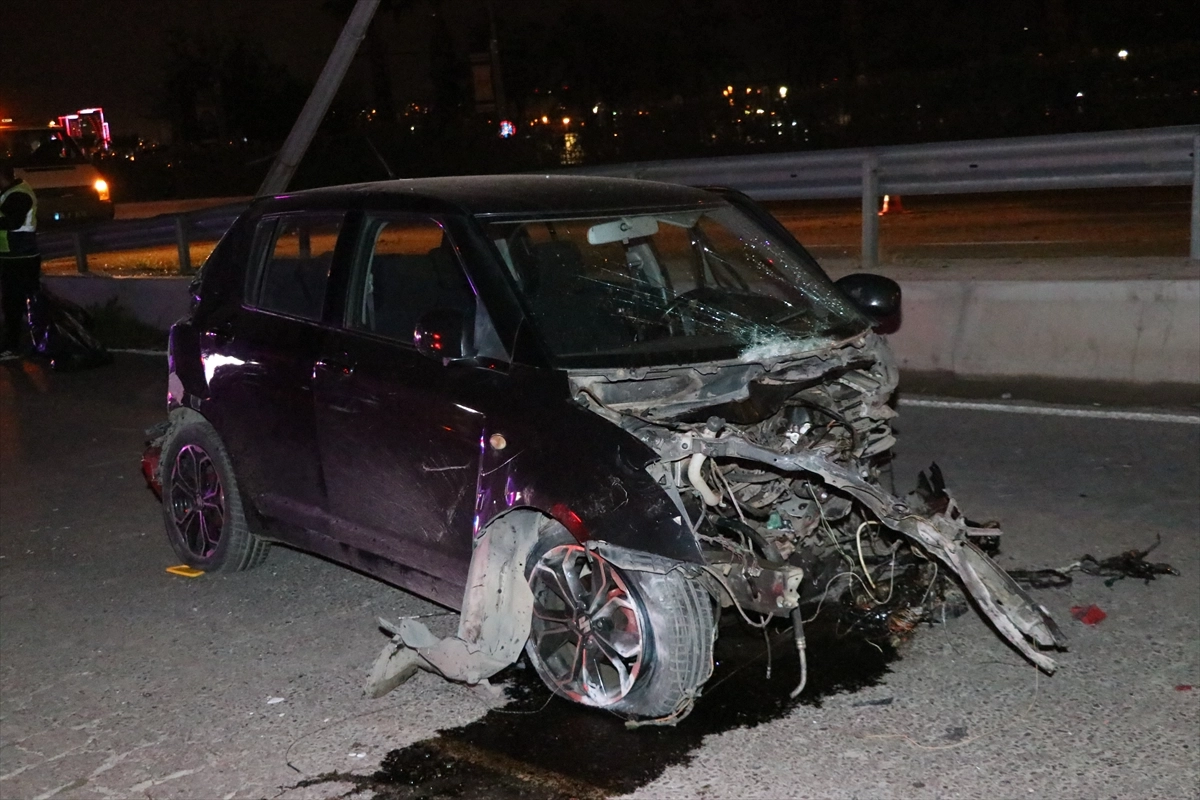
[399, 438]
[261, 363]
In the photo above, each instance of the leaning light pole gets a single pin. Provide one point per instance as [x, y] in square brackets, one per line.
[1195, 248]
[302, 132]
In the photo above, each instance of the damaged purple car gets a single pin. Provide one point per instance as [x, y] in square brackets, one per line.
[587, 413]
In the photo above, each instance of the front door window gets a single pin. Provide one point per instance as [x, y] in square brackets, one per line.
[409, 269]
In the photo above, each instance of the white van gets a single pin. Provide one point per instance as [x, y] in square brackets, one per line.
[69, 188]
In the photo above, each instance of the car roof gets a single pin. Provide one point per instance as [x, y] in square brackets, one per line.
[522, 195]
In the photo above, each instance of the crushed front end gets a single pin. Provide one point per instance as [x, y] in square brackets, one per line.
[780, 466]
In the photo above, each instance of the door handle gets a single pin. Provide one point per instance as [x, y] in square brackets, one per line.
[342, 368]
[221, 335]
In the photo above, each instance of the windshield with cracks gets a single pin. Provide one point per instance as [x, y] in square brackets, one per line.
[670, 287]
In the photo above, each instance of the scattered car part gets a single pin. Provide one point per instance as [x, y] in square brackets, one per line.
[1089, 614]
[1129, 564]
[61, 333]
[495, 620]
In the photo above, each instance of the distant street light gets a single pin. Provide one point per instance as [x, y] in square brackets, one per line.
[1122, 54]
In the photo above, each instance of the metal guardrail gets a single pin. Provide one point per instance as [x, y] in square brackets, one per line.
[1147, 157]
[164, 230]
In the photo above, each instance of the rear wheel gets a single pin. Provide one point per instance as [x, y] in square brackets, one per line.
[201, 505]
[635, 643]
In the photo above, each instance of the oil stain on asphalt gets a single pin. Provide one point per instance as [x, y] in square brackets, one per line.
[540, 747]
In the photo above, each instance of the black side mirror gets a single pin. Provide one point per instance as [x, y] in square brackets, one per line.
[443, 333]
[874, 295]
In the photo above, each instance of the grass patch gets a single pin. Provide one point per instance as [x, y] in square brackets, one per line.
[116, 327]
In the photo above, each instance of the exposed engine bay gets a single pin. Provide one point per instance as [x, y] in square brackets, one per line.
[778, 464]
[781, 469]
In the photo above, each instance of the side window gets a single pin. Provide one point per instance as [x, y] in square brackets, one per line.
[406, 267]
[295, 264]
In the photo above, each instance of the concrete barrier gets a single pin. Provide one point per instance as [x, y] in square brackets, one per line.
[1139, 331]
[154, 301]
[1132, 331]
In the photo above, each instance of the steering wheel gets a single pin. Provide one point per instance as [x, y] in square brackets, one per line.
[700, 295]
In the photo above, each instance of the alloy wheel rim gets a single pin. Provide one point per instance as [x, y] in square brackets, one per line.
[587, 634]
[197, 501]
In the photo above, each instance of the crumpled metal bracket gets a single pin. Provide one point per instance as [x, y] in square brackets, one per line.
[1016, 615]
[493, 625]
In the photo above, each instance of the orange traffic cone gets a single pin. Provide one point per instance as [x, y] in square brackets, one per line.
[891, 205]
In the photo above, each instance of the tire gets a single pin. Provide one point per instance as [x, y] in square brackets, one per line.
[202, 509]
[638, 644]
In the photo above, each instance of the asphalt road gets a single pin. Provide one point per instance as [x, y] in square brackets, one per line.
[118, 679]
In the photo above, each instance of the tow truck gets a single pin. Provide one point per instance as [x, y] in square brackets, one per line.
[69, 187]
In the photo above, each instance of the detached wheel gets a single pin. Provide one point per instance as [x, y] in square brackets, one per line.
[201, 505]
[635, 643]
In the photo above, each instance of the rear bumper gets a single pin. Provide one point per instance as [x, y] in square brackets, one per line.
[152, 456]
[150, 459]
[78, 204]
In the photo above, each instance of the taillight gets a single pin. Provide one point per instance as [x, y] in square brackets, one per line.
[101, 187]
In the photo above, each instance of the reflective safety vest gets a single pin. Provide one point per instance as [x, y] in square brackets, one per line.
[20, 242]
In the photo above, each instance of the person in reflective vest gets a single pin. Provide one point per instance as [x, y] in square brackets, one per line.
[20, 261]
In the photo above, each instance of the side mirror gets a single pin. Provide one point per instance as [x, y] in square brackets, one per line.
[443, 333]
[874, 295]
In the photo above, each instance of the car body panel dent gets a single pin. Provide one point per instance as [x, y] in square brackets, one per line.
[589, 475]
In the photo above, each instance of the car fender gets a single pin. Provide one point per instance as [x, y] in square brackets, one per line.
[584, 472]
[186, 384]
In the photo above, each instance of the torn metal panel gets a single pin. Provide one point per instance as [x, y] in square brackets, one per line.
[1002, 601]
[494, 623]
[779, 462]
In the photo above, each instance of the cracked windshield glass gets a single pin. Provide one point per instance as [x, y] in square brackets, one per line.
[669, 287]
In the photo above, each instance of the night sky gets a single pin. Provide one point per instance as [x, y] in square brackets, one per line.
[60, 55]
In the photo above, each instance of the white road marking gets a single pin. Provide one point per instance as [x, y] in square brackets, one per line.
[144, 785]
[1053, 411]
[999, 241]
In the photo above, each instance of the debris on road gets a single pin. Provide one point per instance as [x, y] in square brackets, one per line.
[1042, 578]
[1129, 564]
[183, 570]
[1089, 615]
[61, 333]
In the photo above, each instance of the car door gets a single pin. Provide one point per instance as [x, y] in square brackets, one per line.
[399, 436]
[260, 364]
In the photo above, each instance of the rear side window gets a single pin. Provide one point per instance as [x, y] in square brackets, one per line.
[295, 254]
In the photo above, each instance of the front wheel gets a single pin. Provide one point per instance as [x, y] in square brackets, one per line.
[201, 505]
[635, 643]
